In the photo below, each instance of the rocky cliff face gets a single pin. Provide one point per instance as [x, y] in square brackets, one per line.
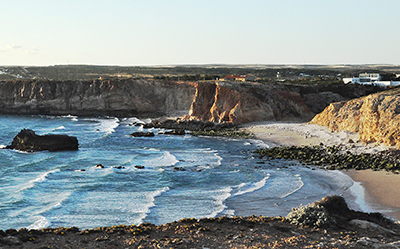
[107, 97]
[375, 117]
[246, 102]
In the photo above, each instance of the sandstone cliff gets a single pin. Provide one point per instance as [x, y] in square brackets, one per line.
[375, 117]
[107, 97]
[246, 102]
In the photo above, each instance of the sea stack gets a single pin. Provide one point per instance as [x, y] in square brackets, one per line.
[28, 140]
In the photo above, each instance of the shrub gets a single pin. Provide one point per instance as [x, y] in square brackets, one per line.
[311, 215]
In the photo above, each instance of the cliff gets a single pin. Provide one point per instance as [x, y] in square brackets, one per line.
[375, 117]
[246, 102]
[218, 102]
[98, 97]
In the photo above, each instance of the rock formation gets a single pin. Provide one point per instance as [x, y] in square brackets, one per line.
[28, 140]
[246, 102]
[99, 97]
[218, 102]
[375, 117]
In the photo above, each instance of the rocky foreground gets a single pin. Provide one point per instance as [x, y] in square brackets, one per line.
[324, 224]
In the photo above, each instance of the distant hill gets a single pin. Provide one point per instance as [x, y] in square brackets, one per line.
[188, 72]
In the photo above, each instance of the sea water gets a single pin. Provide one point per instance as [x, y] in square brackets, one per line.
[183, 176]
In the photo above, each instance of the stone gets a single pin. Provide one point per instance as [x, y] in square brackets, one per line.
[175, 132]
[11, 240]
[142, 134]
[100, 166]
[370, 226]
[28, 140]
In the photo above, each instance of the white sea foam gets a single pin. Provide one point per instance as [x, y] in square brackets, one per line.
[40, 222]
[300, 185]
[108, 125]
[220, 196]
[219, 159]
[359, 192]
[73, 118]
[2, 146]
[152, 197]
[39, 178]
[245, 188]
[59, 128]
[132, 120]
[165, 159]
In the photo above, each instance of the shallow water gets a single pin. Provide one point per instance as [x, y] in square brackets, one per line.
[222, 177]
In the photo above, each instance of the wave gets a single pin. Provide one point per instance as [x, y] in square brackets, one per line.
[260, 143]
[245, 188]
[220, 196]
[166, 159]
[132, 120]
[108, 126]
[73, 118]
[152, 197]
[41, 222]
[296, 189]
[40, 178]
[59, 128]
[2, 146]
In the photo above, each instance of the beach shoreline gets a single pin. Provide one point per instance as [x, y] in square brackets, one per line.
[380, 189]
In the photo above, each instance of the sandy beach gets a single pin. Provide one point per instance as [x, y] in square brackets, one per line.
[382, 189]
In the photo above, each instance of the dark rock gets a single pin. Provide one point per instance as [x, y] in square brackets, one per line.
[337, 208]
[142, 134]
[175, 132]
[28, 140]
[191, 125]
[119, 167]
[179, 169]
[11, 241]
[139, 166]
[100, 166]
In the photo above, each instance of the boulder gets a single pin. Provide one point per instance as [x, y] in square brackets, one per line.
[333, 210]
[175, 132]
[142, 134]
[28, 140]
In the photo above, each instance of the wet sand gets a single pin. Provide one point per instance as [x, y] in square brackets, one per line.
[382, 189]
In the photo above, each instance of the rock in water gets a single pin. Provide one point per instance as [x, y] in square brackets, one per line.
[28, 140]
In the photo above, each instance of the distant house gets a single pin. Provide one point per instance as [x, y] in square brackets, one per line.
[242, 78]
[371, 79]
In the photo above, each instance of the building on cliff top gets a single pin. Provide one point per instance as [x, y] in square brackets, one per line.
[372, 79]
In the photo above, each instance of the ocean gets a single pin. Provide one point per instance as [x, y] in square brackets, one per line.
[156, 179]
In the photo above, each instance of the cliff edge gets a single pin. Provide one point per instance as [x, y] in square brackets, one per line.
[375, 117]
[241, 103]
[99, 97]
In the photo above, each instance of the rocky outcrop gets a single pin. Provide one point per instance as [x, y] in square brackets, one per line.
[99, 97]
[246, 102]
[28, 140]
[375, 117]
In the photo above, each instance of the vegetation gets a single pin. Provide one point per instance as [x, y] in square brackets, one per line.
[299, 74]
[310, 216]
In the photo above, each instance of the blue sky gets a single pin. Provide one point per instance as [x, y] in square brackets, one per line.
[172, 32]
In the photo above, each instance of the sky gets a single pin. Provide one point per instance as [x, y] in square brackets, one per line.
[179, 32]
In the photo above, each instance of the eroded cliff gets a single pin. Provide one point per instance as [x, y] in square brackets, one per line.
[246, 102]
[104, 97]
[375, 117]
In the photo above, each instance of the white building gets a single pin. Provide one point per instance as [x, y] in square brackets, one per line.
[370, 79]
